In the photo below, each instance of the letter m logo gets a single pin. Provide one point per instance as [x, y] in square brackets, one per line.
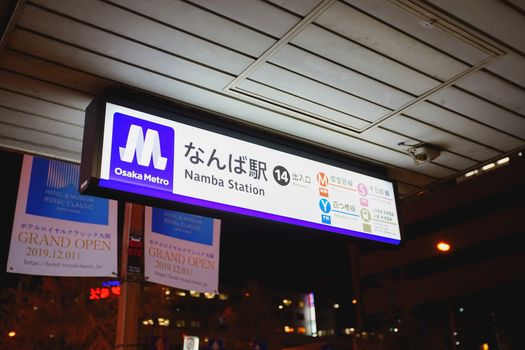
[322, 178]
[144, 147]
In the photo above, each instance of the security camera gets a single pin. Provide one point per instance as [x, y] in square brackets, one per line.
[423, 153]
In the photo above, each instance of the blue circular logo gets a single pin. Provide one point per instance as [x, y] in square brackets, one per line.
[325, 206]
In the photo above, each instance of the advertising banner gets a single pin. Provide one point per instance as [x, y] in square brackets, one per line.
[157, 157]
[56, 230]
[181, 250]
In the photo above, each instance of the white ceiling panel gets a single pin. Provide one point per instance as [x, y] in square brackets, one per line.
[509, 26]
[446, 159]
[203, 24]
[384, 137]
[387, 137]
[409, 177]
[389, 12]
[519, 3]
[48, 92]
[511, 67]
[454, 161]
[253, 13]
[38, 68]
[24, 146]
[41, 124]
[361, 59]
[403, 188]
[382, 38]
[364, 76]
[357, 84]
[37, 138]
[158, 84]
[495, 90]
[307, 106]
[309, 89]
[138, 28]
[114, 46]
[427, 133]
[481, 110]
[455, 123]
[41, 107]
[302, 7]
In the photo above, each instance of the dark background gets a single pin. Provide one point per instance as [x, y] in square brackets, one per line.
[279, 256]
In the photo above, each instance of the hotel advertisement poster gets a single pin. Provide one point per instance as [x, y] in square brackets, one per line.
[56, 230]
[181, 250]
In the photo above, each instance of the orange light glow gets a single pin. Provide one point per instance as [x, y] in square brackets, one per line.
[443, 246]
[11, 334]
[289, 329]
[354, 301]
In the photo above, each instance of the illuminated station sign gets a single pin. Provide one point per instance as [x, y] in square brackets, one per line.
[167, 155]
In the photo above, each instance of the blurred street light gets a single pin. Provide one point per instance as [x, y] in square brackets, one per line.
[443, 246]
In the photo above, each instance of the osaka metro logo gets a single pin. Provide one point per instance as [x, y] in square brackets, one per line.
[142, 152]
[145, 148]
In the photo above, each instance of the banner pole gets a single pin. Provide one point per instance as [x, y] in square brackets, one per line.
[128, 306]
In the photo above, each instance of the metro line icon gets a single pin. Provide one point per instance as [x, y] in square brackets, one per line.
[145, 148]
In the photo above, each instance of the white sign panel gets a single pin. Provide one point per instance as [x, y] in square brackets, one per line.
[56, 230]
[157, 157]
[181, 250]
[191, 342]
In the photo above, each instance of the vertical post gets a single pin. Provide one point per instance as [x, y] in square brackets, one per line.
[356, 283]
[128, 305]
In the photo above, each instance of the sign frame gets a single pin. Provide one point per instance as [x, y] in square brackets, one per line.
[90, 171]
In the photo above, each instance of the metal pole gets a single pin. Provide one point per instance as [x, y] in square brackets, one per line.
[128, 306]
[356, 282]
